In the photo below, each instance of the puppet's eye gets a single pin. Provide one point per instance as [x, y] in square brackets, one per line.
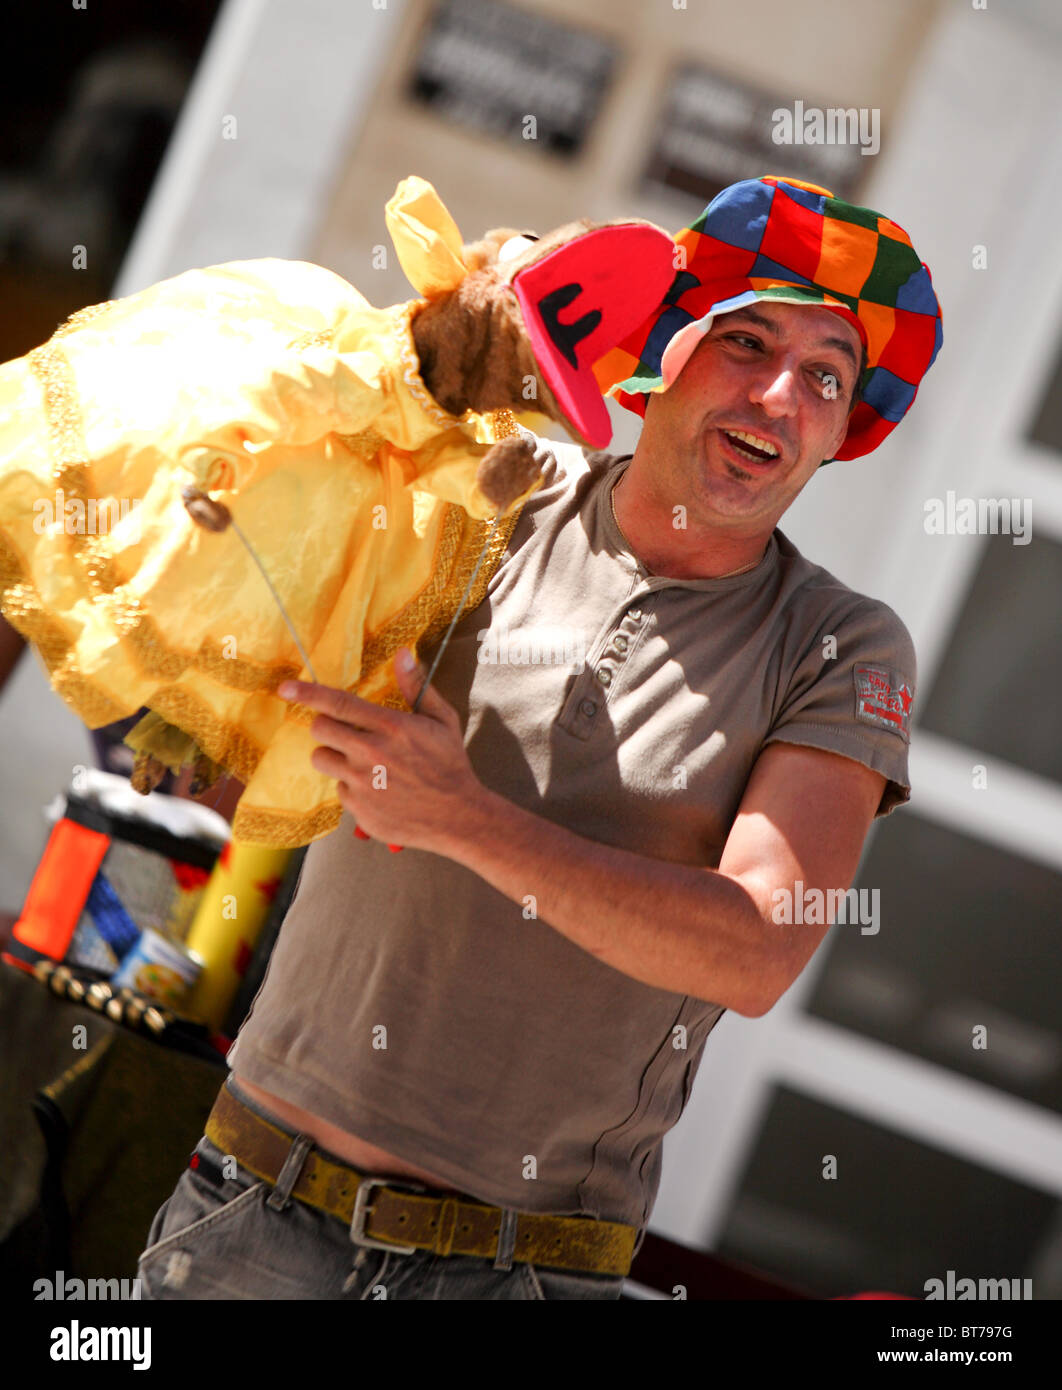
[516, 246]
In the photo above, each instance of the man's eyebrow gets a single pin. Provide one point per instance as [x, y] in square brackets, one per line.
[769, 326]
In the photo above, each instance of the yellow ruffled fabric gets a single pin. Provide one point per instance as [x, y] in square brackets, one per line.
[277, 387]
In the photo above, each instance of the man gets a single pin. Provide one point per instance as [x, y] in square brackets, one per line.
[498, 1026]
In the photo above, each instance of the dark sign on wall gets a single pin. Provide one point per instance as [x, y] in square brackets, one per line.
[506, 72]
[714, 131]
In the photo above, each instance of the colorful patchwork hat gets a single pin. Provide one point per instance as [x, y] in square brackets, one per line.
[795, 243]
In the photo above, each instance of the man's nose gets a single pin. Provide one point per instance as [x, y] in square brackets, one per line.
[776, 391]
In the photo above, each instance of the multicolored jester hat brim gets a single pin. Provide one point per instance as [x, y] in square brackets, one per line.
[793, 242]
[604, 283]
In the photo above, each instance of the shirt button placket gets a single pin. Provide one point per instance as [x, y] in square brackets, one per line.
[604, 673]
[620, 643]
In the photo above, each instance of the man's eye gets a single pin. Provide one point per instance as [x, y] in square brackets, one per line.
[743, 339]
[832, 385]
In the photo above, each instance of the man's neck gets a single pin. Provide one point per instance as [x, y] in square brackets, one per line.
[687, 554]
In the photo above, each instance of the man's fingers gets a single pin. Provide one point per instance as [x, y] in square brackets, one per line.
[332, 764]
[432, 704]
[339, 704]
[363, 715]
[334, 733]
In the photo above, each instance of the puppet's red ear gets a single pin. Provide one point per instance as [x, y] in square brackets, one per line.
[579, 301]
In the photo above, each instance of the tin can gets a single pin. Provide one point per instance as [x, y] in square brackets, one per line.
[160, 968]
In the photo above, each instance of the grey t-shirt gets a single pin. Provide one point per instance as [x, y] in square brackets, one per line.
[415, 1006]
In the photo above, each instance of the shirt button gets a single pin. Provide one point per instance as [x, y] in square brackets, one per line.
[604, 675]
[634, 613]
[619, 642]
[588, 707]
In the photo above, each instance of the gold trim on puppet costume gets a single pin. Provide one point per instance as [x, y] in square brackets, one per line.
[465, 537]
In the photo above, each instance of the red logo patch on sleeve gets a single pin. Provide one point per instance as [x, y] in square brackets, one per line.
[883, 698]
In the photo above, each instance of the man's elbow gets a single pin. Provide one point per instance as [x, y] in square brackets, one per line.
[751, 999]
[773, 964]
[758, 994]
[756, 1003]
[783, 961]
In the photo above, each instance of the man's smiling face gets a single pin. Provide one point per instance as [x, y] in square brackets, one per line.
[784, 374]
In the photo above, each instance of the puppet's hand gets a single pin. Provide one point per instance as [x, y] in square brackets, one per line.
[508, 471]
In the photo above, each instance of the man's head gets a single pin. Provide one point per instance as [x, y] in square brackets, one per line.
[773, 241]
[765, 396]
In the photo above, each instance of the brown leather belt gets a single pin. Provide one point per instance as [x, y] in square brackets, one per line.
[401, 1220]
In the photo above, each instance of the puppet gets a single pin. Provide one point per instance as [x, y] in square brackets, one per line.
[366, 457]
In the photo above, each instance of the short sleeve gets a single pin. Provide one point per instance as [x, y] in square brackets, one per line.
[856, 701]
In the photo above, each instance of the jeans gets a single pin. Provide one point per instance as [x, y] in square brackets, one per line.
[216, 1236]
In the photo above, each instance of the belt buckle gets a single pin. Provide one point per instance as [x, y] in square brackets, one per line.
[362, 1209]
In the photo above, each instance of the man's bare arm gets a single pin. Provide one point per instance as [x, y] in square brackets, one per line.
[702, 932]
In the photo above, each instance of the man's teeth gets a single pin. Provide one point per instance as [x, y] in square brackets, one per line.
[757, 443]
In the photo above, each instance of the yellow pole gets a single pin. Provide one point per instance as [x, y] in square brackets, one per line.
[229, 919]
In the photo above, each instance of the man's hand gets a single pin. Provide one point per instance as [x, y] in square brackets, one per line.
[405, 778]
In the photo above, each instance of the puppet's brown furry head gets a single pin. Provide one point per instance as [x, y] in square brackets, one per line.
[474, 349]
[477, 255]
[475, 353]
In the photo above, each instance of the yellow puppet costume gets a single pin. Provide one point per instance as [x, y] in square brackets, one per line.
[278, 388]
